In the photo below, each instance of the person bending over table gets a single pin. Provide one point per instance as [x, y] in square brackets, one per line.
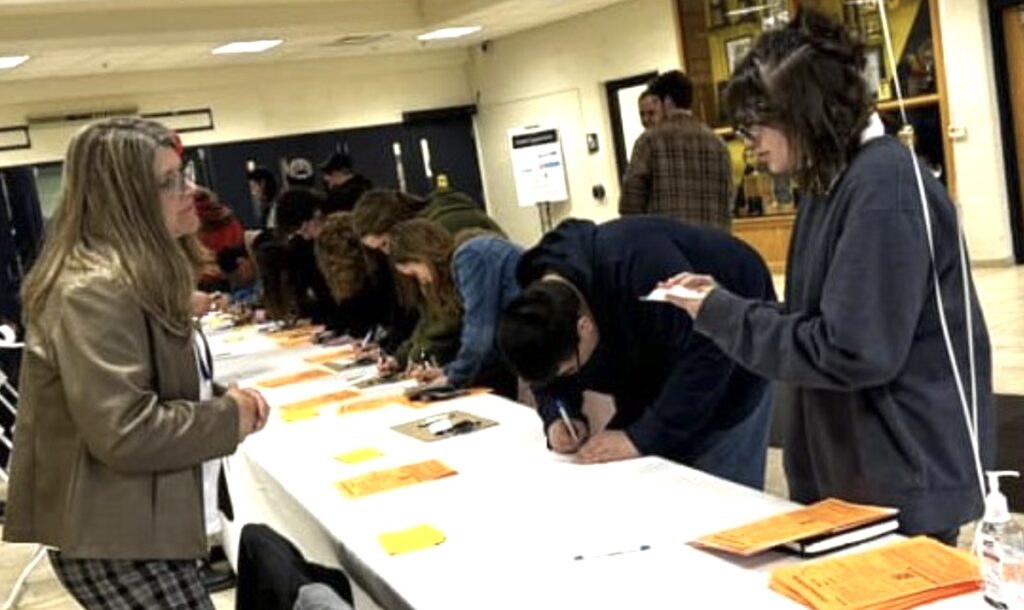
[858, 348]
[581, 324]
[472, 274]
[436, 336]
[111, 432]
[362, 284]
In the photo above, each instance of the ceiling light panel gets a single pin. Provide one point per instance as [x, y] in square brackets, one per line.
[449, 33]
[247, 46]
[12, 61]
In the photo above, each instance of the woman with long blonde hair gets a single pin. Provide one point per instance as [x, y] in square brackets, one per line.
[111, 430]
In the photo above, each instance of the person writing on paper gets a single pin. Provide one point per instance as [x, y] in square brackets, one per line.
[360, 282]
[858, 347]
[580, 324]
[472, 274]
[436, 335]
[111, 432]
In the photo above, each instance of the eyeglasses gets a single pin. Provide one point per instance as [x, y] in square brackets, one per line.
[748, 132]
[174, 184]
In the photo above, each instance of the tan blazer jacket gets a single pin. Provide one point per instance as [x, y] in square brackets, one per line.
[110, 434]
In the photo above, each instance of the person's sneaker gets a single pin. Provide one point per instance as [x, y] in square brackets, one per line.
[214, 579]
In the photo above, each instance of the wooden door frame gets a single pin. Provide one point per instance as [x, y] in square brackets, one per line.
[1006, 125]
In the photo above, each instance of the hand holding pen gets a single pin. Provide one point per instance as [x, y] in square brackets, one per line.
[566, 434]
[427, 371]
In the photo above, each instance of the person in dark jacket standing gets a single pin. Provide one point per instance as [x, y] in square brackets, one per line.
[344, 185]
[581, 324]
[263, 188]
[858, 347]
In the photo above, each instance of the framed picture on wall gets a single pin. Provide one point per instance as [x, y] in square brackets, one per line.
[735, 50]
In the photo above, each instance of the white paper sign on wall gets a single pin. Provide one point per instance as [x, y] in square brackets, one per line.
[538, 165]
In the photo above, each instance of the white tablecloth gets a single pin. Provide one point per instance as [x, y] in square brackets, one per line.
[515, 516]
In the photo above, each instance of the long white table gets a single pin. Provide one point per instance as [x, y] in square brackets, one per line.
[515, 516]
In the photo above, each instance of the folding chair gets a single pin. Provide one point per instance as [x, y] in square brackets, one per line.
[8, 405]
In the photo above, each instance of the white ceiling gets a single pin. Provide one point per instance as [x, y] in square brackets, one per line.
[82, 37]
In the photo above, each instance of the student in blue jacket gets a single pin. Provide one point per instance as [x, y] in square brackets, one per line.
[473, 274]
[581, 324]
[858, 348]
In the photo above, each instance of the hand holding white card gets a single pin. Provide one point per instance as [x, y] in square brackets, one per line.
[661, 294]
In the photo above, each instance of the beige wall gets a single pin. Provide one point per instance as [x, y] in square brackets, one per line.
[552, 74]
[555, 75]
[980, 176]
[248, 101]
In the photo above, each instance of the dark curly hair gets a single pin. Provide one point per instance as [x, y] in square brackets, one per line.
[806, 80]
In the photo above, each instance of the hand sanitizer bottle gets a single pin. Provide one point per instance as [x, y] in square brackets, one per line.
[1000, 547]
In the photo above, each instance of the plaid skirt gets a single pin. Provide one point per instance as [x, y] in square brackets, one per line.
[106, 584]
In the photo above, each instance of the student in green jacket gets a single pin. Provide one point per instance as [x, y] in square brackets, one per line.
[435, 340]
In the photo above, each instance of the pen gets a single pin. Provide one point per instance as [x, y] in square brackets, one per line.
[366, 339]
[568, 423]
[643, 547]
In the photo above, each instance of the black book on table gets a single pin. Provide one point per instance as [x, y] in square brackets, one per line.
[833, 541]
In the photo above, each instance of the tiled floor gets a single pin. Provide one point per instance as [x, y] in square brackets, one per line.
[1002, 297]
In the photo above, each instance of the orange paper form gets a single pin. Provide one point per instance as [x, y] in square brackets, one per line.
[823, 517]
[293, 342]
[896, 576]
[301, 331]
[375, 402]
[310, 407]
[307, 375]
[393, 478]
[331, 355]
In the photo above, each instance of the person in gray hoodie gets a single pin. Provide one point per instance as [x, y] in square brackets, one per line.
[875, 412]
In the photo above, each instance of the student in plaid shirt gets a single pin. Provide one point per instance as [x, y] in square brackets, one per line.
[679, 167]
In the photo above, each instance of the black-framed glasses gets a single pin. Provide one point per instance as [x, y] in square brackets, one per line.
[749, 133]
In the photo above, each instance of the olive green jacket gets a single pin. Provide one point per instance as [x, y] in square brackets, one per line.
[110, 434]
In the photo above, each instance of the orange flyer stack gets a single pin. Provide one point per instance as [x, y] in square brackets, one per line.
[902, 575]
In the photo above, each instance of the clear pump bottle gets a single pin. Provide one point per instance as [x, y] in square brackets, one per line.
[999, 544]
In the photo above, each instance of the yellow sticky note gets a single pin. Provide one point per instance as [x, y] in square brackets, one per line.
[294, 415]
[359, 456]
[412, 539]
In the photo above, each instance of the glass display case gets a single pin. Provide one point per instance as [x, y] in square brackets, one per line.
[717, 34]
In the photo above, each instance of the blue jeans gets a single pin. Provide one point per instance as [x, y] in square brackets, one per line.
[739, 453]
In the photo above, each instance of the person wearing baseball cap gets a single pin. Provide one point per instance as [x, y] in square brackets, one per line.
[300, 172]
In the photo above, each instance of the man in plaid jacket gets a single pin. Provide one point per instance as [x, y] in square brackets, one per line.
[679, 167]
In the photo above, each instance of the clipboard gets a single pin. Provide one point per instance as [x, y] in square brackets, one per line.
[444, 425]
